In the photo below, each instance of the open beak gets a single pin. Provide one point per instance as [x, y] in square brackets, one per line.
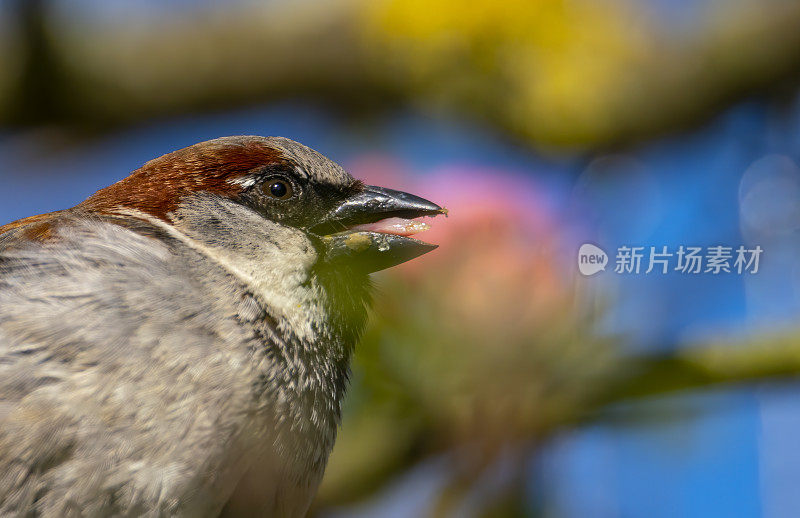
[377, 225]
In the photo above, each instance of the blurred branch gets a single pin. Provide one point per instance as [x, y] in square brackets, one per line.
[102, 74]
[703, 367]
[36, 90]
[570, 74]
[584, 73]
[699, 367]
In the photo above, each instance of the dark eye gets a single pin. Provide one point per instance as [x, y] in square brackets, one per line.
[278, 189]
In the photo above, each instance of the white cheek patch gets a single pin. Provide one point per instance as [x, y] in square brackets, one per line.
[273, 261]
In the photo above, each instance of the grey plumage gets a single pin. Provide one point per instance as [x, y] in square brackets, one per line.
[187, 364]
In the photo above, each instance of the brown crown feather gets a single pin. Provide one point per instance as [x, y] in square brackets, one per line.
[159, 185]
[35, 228]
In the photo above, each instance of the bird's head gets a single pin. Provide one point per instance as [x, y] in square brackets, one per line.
[273, 198]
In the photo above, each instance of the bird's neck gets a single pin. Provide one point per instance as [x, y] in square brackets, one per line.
[311, 317]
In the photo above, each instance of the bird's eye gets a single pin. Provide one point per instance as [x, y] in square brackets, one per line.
[278, 189]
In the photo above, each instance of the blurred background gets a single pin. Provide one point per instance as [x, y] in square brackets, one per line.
[494, 380]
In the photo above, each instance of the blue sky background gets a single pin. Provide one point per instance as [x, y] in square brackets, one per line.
[723, 453]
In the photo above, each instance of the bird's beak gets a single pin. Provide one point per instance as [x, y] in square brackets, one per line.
[377, 224]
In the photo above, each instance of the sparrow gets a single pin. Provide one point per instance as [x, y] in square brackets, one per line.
[179, 343]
